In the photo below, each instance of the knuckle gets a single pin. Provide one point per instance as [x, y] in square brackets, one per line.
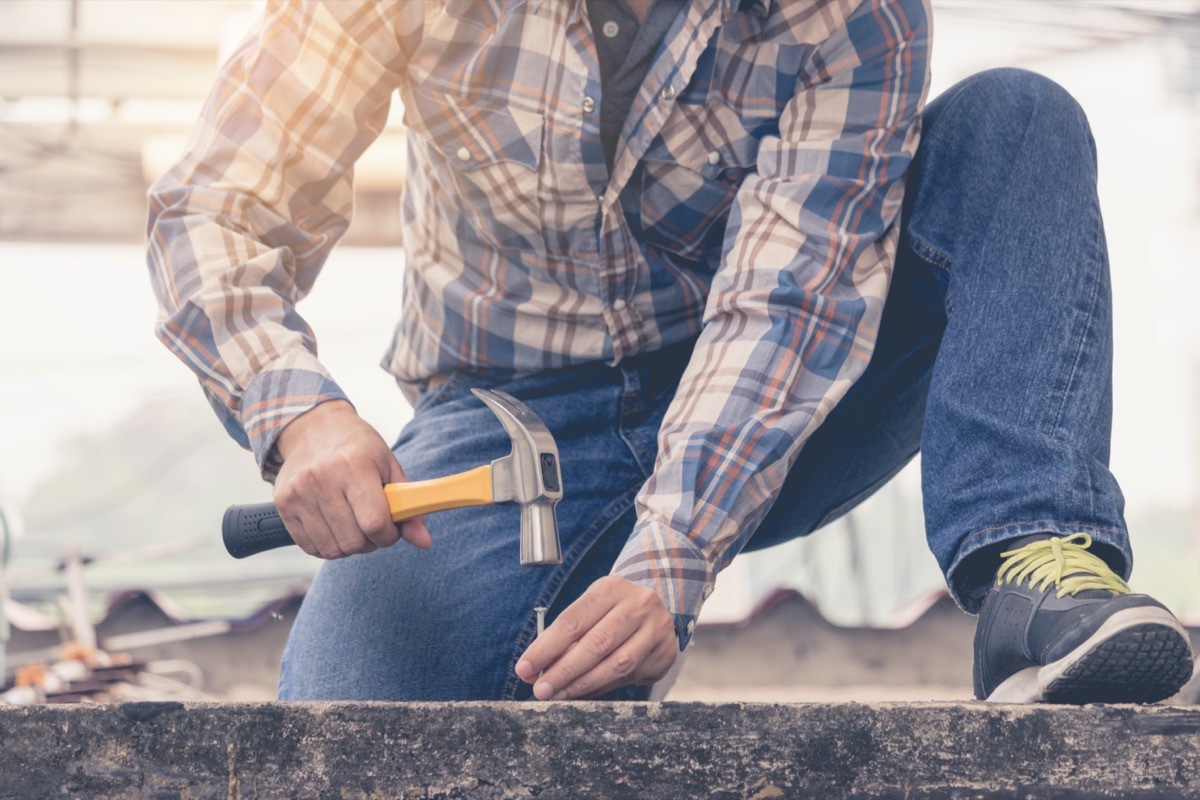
[304, 472]
[354, 542]
[564, 675]
[374, 523]
[304, 487]
[572, 624]
[358, 548]
[624, 664]
[610, 584]
[599, 641]
[329, 548]
[386, 537]
[324, 480]
[604, 587]
[286, 494]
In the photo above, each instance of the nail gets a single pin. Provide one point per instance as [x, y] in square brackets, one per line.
[543, 690]
[524, 669]
[541, 624]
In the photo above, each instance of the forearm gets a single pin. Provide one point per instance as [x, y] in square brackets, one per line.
[240, 227]
[794, 308]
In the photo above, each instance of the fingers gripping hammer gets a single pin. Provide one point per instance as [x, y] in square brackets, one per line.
[528, 476]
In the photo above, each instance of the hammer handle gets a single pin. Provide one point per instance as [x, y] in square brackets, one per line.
[414, 498]
[250, 529]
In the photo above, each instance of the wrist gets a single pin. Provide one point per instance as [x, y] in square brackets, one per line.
[332, 411]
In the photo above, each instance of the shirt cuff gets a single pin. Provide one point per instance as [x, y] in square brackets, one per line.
[671, 564]
[276, 396]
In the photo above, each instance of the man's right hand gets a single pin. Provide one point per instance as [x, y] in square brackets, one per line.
[329, 491]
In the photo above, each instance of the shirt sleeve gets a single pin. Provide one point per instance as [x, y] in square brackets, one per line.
[239, 228]
[794, 309]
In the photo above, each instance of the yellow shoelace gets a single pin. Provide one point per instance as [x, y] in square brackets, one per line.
[1062, 562]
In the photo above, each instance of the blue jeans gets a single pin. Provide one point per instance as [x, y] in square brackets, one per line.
[993, 359]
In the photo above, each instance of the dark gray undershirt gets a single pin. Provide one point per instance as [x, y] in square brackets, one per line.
[625, 50]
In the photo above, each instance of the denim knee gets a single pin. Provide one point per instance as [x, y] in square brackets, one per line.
[1017, 102]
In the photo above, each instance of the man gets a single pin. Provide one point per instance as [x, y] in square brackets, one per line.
[670, 229]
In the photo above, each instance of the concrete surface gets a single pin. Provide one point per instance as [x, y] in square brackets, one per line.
[580, 750]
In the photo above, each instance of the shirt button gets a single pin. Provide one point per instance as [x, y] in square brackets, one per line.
[691, 627]
[667, 92]
[611, 29]
[714, 158]
[619, 304]
[589, 105]
[463, 154]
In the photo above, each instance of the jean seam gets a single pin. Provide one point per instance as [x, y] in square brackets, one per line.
[1015, 523]
[440, 394]
[928, 253]
[1079, 350]
[936, 258]
[604, 522]
[639, 453]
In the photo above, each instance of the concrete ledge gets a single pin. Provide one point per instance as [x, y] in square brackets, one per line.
[576, 750]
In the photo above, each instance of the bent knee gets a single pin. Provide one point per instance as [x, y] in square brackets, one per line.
[1010, 90]
[1017, 105]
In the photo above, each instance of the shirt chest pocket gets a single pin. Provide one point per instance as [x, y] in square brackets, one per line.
[689, 180]
[484, 161]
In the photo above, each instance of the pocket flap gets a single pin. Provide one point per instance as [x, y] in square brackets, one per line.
[475, 135]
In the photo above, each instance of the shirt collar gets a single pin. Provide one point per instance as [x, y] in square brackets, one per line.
[759, 8]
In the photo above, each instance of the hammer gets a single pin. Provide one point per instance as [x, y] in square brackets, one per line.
[529, 476]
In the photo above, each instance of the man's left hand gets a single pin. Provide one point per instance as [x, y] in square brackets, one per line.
[616, 634]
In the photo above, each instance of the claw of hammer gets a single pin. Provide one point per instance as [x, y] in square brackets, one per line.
[529, 476]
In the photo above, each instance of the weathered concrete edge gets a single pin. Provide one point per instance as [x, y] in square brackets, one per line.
[572, 750]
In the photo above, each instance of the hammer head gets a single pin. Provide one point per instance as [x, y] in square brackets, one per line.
[528, 476]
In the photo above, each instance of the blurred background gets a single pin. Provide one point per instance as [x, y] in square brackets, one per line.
[108, 447]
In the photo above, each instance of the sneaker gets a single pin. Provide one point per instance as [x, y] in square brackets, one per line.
[1059, 626]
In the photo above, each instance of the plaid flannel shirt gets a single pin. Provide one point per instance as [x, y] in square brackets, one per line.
[753, 204]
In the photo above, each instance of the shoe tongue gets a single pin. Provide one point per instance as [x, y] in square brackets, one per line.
[1088, 594]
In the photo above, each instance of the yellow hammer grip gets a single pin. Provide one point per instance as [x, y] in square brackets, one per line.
[408, 500]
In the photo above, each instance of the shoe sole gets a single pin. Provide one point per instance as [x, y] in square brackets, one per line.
[1139, 655]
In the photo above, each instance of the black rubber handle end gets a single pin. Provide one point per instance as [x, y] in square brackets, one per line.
[254, 528]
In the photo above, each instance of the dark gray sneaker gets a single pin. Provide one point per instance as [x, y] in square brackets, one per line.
[1059, 626]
